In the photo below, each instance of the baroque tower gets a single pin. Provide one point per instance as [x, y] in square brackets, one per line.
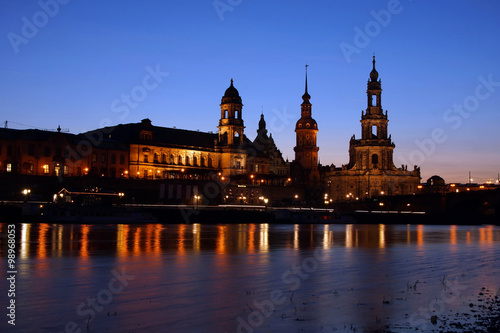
[306, 150]
[230, 140]
[231, 120]
[375, 149]
[371, 171]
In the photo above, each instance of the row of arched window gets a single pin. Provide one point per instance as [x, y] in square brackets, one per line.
[180, 160]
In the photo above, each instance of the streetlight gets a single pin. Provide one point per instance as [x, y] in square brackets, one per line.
[26, 193]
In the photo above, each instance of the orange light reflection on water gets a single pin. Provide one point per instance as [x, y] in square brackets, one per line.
[157, 239]
[122, 240]
[181, 247]
[149, 233]
[25, 240]
[251, 238]
[348, 235]
[420, 234]
[381, 235]
[43, 228]
[486, 235]
[137, 242]
[220, 243]
[84, 249]
[453, 234]
[296, 236]
[264, 238]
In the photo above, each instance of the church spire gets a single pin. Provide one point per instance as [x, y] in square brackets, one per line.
[306, 97]
[374, 73]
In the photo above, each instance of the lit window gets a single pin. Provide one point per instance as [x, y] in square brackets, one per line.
[46, 169]
[9, 167]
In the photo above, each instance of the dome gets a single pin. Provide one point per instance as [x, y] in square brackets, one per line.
[231, 95]
[374, 73]
[306, 123]
[306, 97]
[436, 181]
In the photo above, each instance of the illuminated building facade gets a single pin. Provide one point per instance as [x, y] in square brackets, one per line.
[49, 153]
[142, 150]
[157, 152]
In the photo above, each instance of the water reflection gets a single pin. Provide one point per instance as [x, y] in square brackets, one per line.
[25, 240]
[84, 249]
[43, 240]
[208, 275]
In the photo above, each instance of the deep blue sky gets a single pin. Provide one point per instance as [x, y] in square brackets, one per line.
[74, 69]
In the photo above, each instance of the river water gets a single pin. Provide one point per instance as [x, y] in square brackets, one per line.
[249, 277]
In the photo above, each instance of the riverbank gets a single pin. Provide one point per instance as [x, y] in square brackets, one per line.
[39, 212]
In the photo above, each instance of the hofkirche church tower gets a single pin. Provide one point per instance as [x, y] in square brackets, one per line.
[371, 171]
[305, 167]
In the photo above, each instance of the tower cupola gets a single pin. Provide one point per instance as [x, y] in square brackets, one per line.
[231, 95]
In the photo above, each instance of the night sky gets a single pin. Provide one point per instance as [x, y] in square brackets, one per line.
[86, 64]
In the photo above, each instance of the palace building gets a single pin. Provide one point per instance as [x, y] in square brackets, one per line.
[371, 171]
[55, 153]
[169, 153]
[145, 151]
